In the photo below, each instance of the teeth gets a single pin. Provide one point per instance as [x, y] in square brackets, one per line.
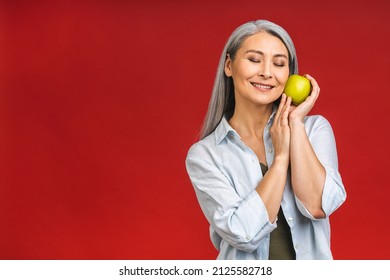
[262, 86]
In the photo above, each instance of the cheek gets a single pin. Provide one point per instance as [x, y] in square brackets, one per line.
[282, 77]
[244, 69]
[247, 73]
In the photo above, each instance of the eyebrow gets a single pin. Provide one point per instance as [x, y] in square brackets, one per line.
[261, 53]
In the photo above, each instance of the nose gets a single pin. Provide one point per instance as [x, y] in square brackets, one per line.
[265, 70]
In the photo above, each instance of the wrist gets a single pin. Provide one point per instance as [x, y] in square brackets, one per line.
[296, 124]
[281, 161]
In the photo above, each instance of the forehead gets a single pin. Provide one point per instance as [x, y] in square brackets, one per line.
[264, 42]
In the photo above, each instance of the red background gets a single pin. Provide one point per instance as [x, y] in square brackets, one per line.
[100, 101]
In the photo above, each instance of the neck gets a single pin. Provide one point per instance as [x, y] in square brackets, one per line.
[250, 121]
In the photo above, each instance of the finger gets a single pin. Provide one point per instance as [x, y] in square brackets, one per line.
[315, 88]
[312, 81]
[292, 107]
[281, 105]
[286, 111]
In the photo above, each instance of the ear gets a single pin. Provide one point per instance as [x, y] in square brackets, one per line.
[228, 66]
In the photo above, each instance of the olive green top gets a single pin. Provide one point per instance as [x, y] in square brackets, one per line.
[281, 245]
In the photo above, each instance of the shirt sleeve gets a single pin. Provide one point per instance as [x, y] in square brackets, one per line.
[242, 222]
[322, 139]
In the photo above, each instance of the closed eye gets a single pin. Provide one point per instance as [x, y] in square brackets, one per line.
[254, 60]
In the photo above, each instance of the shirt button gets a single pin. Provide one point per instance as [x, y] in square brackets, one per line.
[269, 150]
[290, 219]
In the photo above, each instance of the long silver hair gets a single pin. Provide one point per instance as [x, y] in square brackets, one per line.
[222, 101]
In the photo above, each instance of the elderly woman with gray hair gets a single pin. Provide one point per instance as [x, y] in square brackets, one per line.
[264, 172]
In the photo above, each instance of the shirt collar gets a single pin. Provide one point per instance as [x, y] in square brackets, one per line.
[224, 127]
[223, 130]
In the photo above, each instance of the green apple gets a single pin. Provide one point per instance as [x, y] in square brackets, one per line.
[298, 88]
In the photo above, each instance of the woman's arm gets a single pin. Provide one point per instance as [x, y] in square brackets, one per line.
[241, 221]
[307, 173]
[271, 187]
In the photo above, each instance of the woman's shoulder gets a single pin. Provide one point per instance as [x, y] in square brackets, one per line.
[315, 123]
[211, 144]
[316, 119]
[202, 147]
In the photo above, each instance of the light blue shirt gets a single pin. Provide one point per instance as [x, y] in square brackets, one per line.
[225, 173]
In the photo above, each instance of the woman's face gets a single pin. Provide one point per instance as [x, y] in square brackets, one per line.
[259, 69]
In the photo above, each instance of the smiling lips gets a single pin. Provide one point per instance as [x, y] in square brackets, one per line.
[262, 86]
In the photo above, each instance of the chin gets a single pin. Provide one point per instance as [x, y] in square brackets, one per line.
[264, 101]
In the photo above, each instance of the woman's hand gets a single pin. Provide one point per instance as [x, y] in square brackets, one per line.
[280, 130]
[298, 113]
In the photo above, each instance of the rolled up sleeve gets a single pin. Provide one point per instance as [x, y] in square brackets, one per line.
[242, 222]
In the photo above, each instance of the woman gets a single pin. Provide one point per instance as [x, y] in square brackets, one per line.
[265, 174]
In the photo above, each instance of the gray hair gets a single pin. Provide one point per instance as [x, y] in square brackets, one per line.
[222, 100]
